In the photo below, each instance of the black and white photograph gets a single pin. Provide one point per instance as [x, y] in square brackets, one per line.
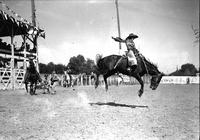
[99, 70]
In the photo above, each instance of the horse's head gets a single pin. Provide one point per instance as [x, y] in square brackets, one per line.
[31, 68]
[155, 80]
[31, 63]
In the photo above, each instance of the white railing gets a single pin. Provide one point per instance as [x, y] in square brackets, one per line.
[180, 80]
[6, 78]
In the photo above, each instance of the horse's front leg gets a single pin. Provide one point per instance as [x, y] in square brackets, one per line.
[26, 86]
[35, 85]
[97, 81]
[106, 83]
[142, 85]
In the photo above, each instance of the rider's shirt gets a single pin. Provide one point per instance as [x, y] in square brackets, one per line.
[132, 54]
[131, 58]
[54, 78]
[131, 51]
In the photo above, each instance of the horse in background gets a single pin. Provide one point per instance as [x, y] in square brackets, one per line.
[67, 80]
[112, 64]
[31, 78]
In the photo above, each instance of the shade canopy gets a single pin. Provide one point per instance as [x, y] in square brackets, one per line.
[9, 26]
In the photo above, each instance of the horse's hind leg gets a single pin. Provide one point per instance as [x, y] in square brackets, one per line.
[142, 85]
[26, 86]
[106, 83]
[105, 79]
[108, 74]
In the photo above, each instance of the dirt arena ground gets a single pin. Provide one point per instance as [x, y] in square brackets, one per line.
[169, 113]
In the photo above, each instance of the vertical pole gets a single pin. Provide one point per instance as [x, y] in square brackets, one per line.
[118, 23]
[35, 45]
[33, 12]
[24, 41]
[90, 81]
[12, 61]
[81, 80]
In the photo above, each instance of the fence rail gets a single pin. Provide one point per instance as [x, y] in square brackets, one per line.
[87, 80]
[6, 78]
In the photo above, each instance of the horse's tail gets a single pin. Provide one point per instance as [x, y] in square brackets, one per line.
[98, 58]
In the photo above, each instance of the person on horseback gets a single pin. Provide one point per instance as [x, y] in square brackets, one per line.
[132, 53]
[46, 84]
[30, 69]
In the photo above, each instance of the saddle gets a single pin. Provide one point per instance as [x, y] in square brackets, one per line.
[135, 67]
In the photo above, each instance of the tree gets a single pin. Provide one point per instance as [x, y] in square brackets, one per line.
[89, 66]
[59, 68]
[76, 64]
[189, 69]
[186, 70]
[50, 67]
[47, 69]
[43, 68]
[79, 65]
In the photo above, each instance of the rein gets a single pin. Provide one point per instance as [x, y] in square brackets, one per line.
[145, 65]
[142, 57]
[118, 62]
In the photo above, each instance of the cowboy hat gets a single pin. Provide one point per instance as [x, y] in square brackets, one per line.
[131, 35]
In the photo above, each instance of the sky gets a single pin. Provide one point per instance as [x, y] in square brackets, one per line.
[86, 26]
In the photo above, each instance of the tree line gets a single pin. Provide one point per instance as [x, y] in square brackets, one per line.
[77, 64]
[186, 70]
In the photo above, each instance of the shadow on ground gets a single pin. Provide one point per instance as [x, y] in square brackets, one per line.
[118, 105]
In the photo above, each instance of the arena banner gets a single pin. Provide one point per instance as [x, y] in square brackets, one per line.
[180, 80]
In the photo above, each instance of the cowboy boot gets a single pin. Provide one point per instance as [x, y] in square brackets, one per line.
[137, 69]
[132, 68]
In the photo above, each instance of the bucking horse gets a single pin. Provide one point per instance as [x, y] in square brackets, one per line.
[31, 78]
[112, 64]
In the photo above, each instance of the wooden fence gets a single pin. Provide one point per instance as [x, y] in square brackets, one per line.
[87, 80]
[6, 78]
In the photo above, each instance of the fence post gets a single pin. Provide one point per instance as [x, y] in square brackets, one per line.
[81, 80]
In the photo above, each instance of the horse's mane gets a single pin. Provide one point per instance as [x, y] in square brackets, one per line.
[149, 63]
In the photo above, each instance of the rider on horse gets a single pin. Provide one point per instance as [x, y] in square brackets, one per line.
[30, 69]
[132, 54]
[54, 81]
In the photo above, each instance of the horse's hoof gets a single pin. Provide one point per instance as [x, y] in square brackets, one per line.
[140, 93]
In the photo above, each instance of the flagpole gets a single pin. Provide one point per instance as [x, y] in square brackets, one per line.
[33, 12]
[35, 37]
[118, 23]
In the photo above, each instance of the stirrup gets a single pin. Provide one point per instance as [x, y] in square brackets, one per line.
[129, 69]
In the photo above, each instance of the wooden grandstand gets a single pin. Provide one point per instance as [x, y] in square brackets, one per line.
[11, 75]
